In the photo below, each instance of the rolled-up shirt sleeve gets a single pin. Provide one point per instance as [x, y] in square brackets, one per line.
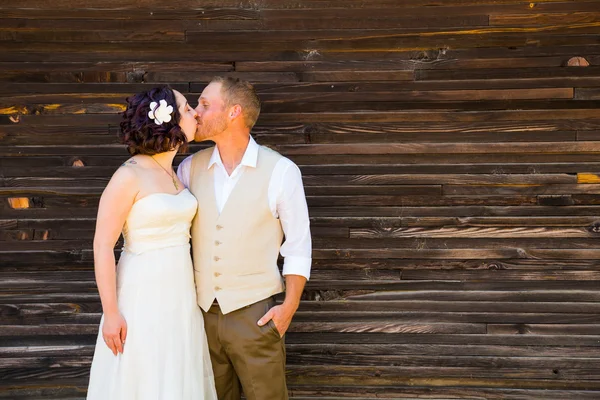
[292, 210]
[183, 171]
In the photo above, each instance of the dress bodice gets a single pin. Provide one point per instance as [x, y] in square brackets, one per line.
[159, 220]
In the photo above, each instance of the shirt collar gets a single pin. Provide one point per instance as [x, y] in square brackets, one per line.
[250, 158]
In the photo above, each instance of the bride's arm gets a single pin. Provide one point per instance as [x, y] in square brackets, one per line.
[115, 204]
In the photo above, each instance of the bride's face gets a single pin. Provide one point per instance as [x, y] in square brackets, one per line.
[188, 122]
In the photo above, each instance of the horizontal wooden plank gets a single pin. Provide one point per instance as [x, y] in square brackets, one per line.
[411, 148]
[544, 18]
[277, 50]
[138, 25]
[74, 36]
[588, 135]
[542, 299]
[501, 189]
[278, 4]
[312, 156]
[545, 296]
[120, 66]
[458, 243]
[457, 253]
[71, 89]
[362, 349]
[103, 135]
[55, 166]
[553, 329]
[388, 381]
[516, 83]
[543, 366]
[74, 391]
[39, 390]
[400, 64]
[412, 41]
[348, 309]
[411, 215]
[351, 375]
[446, 179]
[502, 73]
[143, 14]
[274, 107]
[361, 309]
[305, 392]
[391, 196]
[470, 232]
[69, 77]
[420, 106]
[390, 243]
[433, 116]
[403, 95]
[503, 275]
[360, 136]
[420, 264]
[352, 76]
[187, 76]
[388, 327]
[355, 320]
[475, 211]
[587, 94]
[439, 159]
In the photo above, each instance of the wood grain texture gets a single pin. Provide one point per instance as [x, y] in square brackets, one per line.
[450, 153]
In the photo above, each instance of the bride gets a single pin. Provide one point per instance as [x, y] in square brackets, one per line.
[151, 343]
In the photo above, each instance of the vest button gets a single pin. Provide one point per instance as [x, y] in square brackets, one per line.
[217, 243]
[219, 227]
[217, 288]
[217, 258]
[217, 274]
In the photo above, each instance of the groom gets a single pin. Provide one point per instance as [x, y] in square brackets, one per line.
[249, 199]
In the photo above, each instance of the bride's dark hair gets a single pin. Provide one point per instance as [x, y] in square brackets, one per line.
[141, 134]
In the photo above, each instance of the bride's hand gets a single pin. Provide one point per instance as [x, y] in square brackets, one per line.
[114, 332]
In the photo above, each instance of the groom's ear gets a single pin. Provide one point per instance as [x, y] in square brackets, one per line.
[235, 111]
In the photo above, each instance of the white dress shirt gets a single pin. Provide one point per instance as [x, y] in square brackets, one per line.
[286, 201]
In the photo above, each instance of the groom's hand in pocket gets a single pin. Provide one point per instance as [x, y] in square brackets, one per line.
[114, 332]
[282, 318]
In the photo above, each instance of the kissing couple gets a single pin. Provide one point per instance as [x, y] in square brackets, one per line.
[181, 326]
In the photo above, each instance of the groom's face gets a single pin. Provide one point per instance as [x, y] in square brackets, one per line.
[212, 115]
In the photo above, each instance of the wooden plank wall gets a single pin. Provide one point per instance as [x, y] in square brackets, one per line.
[450, 151]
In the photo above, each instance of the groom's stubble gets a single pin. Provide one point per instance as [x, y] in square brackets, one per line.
[208, 129]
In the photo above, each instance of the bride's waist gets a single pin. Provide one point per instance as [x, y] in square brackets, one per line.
[143, 246]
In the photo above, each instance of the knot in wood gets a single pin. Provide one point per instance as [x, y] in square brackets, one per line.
[522, 329]
[495, 266]
[595, 227]
[37, 202]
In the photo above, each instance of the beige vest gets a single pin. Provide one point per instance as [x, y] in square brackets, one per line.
[235, 253]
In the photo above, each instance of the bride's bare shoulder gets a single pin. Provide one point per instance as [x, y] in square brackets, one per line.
[127, 173]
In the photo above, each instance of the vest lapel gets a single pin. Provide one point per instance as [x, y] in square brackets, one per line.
[244, 190]
[205, 191]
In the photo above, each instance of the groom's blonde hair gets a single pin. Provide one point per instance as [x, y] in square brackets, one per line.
[235, 91]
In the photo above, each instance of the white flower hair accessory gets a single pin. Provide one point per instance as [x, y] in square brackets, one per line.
[160, 112]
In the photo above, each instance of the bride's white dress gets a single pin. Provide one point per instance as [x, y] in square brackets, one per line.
[166, 355]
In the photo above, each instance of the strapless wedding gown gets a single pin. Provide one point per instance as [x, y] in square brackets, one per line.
[166, 355]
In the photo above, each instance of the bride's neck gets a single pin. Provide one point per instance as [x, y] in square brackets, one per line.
[165, 158]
